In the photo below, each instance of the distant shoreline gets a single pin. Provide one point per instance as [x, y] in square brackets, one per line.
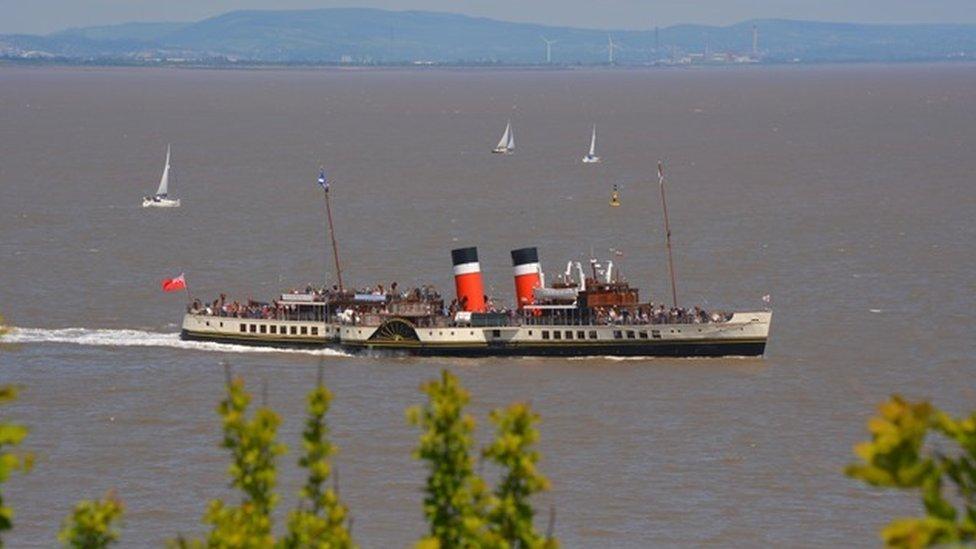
[462, 67]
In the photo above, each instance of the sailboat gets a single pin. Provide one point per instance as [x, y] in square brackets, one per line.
[161, 199]
[591, 157]
[506, 145]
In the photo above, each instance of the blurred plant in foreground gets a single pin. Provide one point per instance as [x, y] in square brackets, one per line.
[253, 470]
[460, 510]
[11, 436]
[321, 520]
[897, 456]
[92, 524]
[513, 450]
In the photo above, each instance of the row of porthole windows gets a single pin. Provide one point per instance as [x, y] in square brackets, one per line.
[283, 330]
[592, 334]
[619, 334]
[568, 334]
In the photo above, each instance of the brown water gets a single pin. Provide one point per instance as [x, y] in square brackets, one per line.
[847, 193]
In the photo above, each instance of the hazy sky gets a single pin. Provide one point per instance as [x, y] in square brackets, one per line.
[42, 16]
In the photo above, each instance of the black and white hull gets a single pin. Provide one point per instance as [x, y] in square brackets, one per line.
[745, 334]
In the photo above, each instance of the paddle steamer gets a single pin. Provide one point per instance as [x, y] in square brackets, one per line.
[582, 314]
[588, 317]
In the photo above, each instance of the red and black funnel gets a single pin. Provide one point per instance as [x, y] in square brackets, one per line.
[467, 280]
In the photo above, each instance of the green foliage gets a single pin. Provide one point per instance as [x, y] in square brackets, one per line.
[513, 450]
[456, 500]
[321, 520]
[460, 510]
[897, 457]
[92, 524]
[11, 435]
[254, 449]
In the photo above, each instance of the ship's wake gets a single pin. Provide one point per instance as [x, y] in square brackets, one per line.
[140, 338]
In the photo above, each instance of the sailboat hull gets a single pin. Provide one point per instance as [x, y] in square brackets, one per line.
[591, 159]
[155, 202]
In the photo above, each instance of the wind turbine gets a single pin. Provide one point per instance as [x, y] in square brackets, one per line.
[549, 44]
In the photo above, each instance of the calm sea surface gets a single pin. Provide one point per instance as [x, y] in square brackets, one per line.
[847, 193]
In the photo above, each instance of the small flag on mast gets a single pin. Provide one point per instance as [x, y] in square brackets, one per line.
[174, 284]
[323, 181]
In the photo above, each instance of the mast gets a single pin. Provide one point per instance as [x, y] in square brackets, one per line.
[667, 232]
[328, 211]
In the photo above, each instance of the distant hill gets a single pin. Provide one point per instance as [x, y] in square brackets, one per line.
[380, 36]
[140, 32]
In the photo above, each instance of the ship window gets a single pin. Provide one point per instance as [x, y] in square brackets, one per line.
[569, 334]
[643, 334]
[656, 334]
[315, 330]
[452, 333]
[472, 333]
[556, 334]
[631, 334]
[580, 334]
[254, 328]
[496, 333]
[545, 334]
[274, 329]
[243, 327]
[294, 330]
[283, 330]
[222, 325]
[208, 323]
[304, 330]
[530, 332]
[617, 334]
[264, 329]
[592, 334]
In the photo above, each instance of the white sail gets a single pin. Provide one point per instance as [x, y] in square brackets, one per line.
[503, 143]
[593, 142]
[510, 145]
[163, 189]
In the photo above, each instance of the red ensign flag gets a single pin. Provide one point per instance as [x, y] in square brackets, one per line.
[174, 284]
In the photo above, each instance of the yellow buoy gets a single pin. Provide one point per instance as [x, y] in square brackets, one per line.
[614, 197]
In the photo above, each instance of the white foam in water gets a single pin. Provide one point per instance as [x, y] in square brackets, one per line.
[140, 338]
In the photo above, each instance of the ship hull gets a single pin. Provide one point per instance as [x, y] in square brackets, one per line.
[226, 339]
[745, 335]
[566, 350]
[674, 350]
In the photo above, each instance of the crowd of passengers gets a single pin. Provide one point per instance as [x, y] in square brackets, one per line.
[283, 310]
[279, 310]
[235, 309]
[658, 315]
